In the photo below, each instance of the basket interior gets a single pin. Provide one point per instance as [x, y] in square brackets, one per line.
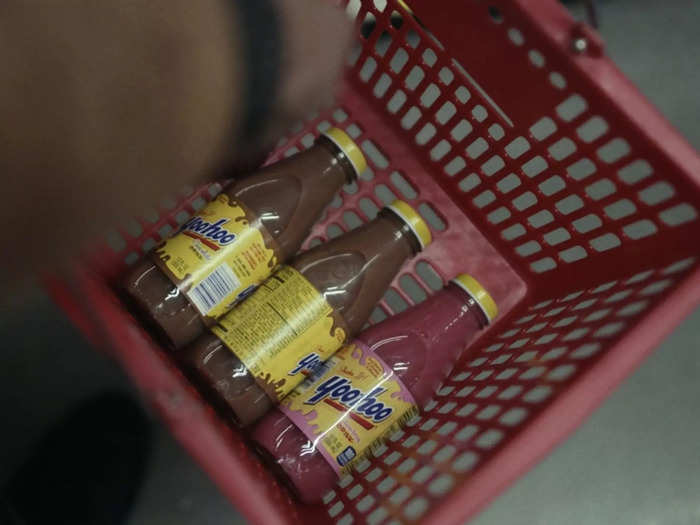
[531, 180]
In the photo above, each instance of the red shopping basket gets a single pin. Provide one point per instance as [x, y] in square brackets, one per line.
[544, 173]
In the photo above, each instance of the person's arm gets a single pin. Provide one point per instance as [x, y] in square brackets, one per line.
[107, 106]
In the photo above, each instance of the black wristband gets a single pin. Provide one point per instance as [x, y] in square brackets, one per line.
[262, 51]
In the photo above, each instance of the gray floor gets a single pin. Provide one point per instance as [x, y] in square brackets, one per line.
[46, 369]
[636, 461]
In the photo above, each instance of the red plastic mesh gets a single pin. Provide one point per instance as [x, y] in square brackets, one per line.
[533, 168]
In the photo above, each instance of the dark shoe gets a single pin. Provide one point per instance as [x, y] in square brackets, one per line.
[86, 470]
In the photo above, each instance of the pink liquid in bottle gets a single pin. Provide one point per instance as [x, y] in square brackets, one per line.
[389, 370]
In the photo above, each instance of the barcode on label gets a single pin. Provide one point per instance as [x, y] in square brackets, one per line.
[214, 289]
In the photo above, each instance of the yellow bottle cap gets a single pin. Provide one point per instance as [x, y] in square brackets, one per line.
[479, 294]
[347, 145]
[414, 221]
[405, 6]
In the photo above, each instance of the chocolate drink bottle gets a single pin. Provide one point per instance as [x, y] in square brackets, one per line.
[369, 387]
[301, 315]
[232, 245]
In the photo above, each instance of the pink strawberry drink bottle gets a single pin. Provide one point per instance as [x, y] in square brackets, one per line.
[369, 388]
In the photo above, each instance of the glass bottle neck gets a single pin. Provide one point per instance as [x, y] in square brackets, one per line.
[469, 302]
[422, 344]
[339, 156]
[401, 228]
[458, 319]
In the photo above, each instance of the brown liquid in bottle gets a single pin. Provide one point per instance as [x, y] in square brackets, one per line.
[282, 201]
[352, 272]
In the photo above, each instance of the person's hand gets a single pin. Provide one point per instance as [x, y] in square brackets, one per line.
[317, 36]
[109, 106]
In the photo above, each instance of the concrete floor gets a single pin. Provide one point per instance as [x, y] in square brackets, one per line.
[636, 461]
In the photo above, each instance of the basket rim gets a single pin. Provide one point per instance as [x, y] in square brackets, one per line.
[571, 408]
